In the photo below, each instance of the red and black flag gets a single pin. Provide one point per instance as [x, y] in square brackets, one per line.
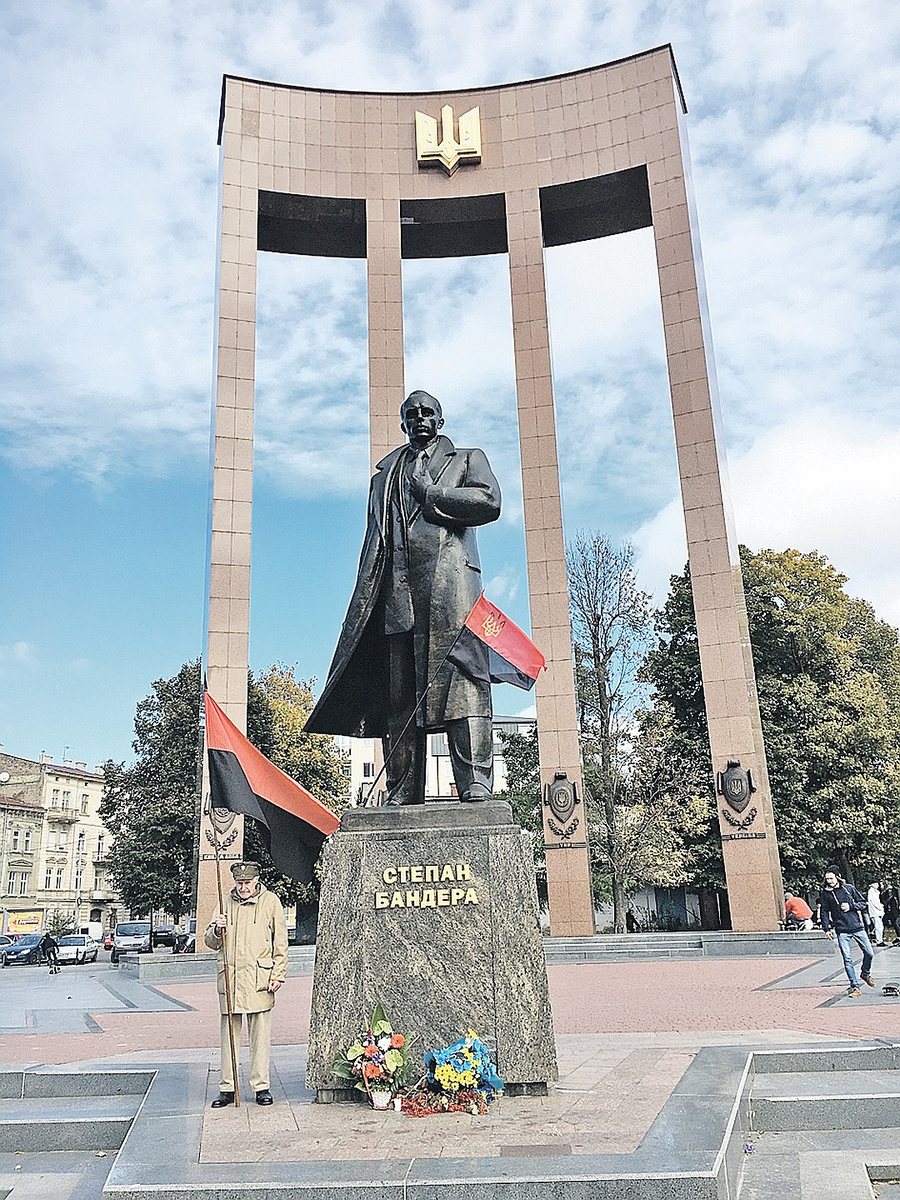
[241, 779]
[492, 647]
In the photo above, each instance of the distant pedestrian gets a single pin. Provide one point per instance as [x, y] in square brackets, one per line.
[876, 912]
[48, 949]
[891, 901]
[841, 907]
[631, 925]
[797, 913]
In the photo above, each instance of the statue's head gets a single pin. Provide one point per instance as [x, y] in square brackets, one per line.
[421, 418]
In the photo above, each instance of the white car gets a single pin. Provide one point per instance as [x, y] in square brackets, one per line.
[77, 948]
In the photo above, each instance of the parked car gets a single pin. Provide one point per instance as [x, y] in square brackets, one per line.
[131, 935]
[164, 935]
[26, 950]
[77, 948]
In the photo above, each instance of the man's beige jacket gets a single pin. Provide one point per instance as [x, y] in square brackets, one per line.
[256, 941]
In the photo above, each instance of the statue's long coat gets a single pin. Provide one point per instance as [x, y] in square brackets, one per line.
[445, 581]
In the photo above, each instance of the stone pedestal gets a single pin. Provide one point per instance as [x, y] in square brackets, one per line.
[432, 910]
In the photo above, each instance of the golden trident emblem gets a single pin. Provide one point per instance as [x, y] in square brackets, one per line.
[448, 152]
[493, 625]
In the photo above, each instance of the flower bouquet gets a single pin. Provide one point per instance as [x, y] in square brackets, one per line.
[461, 1078]
[377, 1062]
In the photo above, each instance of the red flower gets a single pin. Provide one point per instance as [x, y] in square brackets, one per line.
[371, 1070]
[370, 1050]
[397, 1040]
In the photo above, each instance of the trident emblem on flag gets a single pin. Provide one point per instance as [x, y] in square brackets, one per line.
[448, 152]
[493, 624]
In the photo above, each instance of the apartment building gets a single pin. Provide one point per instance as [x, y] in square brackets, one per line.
[53, 844]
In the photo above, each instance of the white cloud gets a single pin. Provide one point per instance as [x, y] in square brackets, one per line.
[18, 655]
[821, 482]
[109, 213]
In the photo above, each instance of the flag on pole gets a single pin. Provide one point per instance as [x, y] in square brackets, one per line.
[243, 780]
[492, 647]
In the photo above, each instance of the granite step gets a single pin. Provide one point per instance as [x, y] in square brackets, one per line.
[836, 1099]
[34, 1125]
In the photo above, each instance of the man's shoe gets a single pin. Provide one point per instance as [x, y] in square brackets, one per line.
[854, 991]
[223, 1100]
[869, 980]
[264, 1097]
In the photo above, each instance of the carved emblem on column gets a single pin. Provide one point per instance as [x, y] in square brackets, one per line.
[736, 786]
[561, 797]
[448, 151]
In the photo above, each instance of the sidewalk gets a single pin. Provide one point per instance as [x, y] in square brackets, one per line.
[715, 1001]
[626, 1035]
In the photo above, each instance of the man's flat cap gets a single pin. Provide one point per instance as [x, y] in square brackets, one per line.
[244, 870]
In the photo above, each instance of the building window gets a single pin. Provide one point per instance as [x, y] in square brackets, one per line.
[79, 876]
[27, 841]
[84, 801]
[100, 845]
[67, 799]
[54, 798]
[23, 883]
[48, 878]
[80, 841]
[59, 878]
[368, 770]
[11, 883]
[15, 839]
[98, 881]
[63, 838]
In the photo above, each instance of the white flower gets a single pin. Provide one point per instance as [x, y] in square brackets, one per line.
[384, 1043]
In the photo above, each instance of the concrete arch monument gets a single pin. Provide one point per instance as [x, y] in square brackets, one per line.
[509, 169]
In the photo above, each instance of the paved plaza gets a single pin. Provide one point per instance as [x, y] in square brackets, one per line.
[626, 1034]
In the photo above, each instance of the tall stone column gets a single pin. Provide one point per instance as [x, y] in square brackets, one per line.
[385, 288]
[228, 633]
[749, 846]
[568, 863]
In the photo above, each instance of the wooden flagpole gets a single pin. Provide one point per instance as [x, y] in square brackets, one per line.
[222, 933]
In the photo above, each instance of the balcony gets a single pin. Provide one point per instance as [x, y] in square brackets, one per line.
[66, 815]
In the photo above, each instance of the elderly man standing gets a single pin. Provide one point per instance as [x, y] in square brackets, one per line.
[255, 949]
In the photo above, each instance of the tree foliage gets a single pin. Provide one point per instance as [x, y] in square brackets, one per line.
[828, 676]
[151, 807]
[523, 792]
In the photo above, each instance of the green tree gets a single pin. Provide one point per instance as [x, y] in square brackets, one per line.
[611, 630]
[59, 924]
[523, 792]
[151, 807]
[828, 676]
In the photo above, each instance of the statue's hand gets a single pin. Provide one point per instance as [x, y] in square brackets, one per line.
[418, 480]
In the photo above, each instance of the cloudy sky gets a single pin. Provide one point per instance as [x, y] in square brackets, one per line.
[108, 206]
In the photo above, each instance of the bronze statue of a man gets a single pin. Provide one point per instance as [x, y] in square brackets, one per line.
[419, 576]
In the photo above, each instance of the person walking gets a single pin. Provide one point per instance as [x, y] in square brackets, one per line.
[891, 901]
[48, 949]
[255, 957]
[875, 906]
[841, 907]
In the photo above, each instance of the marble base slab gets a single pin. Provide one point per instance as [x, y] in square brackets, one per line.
[431, 910]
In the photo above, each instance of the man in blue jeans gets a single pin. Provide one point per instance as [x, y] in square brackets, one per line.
[840, 906]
